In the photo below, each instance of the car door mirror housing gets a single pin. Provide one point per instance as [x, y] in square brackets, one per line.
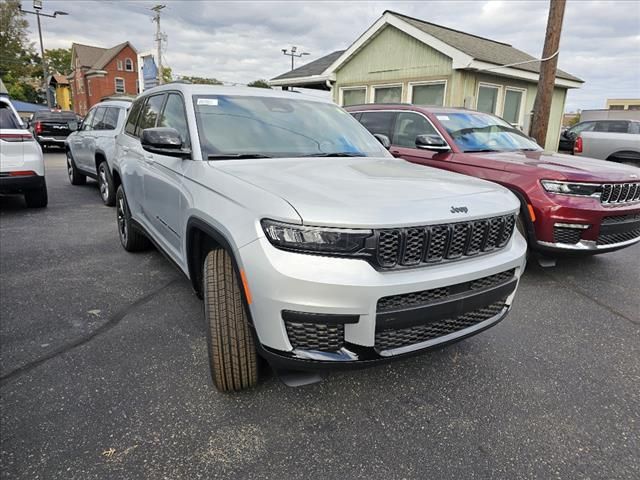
[431, 142]
[73, 126]
[163, 141]
[383, 139]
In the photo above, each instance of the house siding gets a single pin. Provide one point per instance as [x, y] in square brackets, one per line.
[394, 57]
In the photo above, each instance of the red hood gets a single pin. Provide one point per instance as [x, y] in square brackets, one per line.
[559, 166]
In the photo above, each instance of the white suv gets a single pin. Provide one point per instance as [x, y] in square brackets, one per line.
[91, 148]
[311, 245]
[21, 162]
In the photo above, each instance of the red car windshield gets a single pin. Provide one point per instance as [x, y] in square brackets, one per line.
[479, 132]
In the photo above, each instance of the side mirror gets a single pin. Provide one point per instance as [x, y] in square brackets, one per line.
[163, 141]
[431, 142]
[383, 139]
[73, 125]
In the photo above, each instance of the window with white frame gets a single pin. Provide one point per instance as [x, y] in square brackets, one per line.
[353, 96]
[512, 108]
[119, 85]
[119, 65]
[89, 86]
[387, 94]
[428, 93]
[128, 65]
[487, 99]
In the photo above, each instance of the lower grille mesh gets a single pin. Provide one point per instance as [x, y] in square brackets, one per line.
[315, 336]
[566, 235]
[611, 238]
[390, 339]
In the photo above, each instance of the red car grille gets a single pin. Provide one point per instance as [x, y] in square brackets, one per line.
[620, 193]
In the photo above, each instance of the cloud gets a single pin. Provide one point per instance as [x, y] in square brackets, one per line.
[242, 41]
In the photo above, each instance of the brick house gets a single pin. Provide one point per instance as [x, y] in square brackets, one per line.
[100, 72]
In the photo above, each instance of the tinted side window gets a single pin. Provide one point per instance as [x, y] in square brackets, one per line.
[174, 116]
[87, 123]
[378, 122]
[98, 119]
[149, 113]
[130, 126]
[110, 120]
[408, 126]
[613, 126]
[7, 117]
[634, 127]
[582, 127]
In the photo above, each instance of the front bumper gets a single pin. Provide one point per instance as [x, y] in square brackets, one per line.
[20, 184]
[344, 294]
[573, 224]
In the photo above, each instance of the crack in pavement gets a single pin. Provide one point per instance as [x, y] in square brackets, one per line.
[105, 327]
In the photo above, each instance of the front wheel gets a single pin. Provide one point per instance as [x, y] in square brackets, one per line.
[105, 182]
[75, 177]
[232, 352]
[131, 239]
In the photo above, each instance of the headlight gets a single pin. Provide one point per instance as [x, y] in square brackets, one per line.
[568, 188]
[314, 239]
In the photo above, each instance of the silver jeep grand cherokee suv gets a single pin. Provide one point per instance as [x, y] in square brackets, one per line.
[311, 245]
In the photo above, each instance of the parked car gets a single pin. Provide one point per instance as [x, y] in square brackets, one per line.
[311, 245]
[90, 150]
[568, 137]
[21, 162]
[615, 147]
[51, 127]
[568, 204]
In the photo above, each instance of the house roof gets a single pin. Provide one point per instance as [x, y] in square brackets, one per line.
[97, 57]
[317, 67]
[480, 48]
[59, 79]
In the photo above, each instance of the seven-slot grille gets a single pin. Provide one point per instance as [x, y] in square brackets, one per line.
[404, 247]
[620, 193]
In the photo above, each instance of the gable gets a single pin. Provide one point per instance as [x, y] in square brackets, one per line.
[393, 55]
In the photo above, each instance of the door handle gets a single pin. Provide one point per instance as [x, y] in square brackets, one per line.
[148, 158]
[125, 149]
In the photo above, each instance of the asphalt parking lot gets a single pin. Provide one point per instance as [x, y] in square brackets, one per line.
[104, 374]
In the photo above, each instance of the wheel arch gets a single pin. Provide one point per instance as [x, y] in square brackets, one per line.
[99, 158]
[201, 238]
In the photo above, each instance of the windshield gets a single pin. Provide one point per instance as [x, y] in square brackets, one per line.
[258, 127]
[478, 132]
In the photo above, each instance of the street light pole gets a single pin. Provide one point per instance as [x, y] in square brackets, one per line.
[293, 54]
[37, 6]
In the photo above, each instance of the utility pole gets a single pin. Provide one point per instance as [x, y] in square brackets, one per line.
[548, 67]
[159, 38]
[37, 6]
[293, 54]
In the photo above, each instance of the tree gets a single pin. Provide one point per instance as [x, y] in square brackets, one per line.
[202, 80]
[259, 84]
[59, 60]
[18, 60]
[167, 75]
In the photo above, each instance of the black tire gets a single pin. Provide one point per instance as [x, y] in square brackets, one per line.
[105, 182]
[37, 198]
[75, 177]
[132, 240]
[232, 352]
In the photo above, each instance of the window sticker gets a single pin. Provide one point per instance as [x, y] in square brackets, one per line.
[444, 118]
[213, 102]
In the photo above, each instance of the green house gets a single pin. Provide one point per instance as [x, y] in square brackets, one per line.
[404, 59]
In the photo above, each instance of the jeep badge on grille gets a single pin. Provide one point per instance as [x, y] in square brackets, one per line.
[459, 210]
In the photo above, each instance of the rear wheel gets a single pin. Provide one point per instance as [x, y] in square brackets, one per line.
[131, 239]
[106, 185]
[232, 352]
[37, 198]
[75, 177]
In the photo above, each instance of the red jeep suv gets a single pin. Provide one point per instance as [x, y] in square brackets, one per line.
[569, 204]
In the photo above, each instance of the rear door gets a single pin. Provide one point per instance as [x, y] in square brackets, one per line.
[104, 134]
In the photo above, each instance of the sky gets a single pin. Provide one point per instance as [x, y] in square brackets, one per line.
[242, 41]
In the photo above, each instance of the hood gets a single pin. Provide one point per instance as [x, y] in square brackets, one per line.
[372, 192]
[559, 166]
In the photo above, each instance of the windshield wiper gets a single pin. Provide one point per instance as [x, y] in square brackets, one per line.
[336, 154]
[235, 156]
[483, 150]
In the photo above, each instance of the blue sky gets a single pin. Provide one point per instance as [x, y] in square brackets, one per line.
[242, 41]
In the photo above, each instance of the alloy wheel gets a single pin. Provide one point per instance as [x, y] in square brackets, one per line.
[122, 220]
[102, 181]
